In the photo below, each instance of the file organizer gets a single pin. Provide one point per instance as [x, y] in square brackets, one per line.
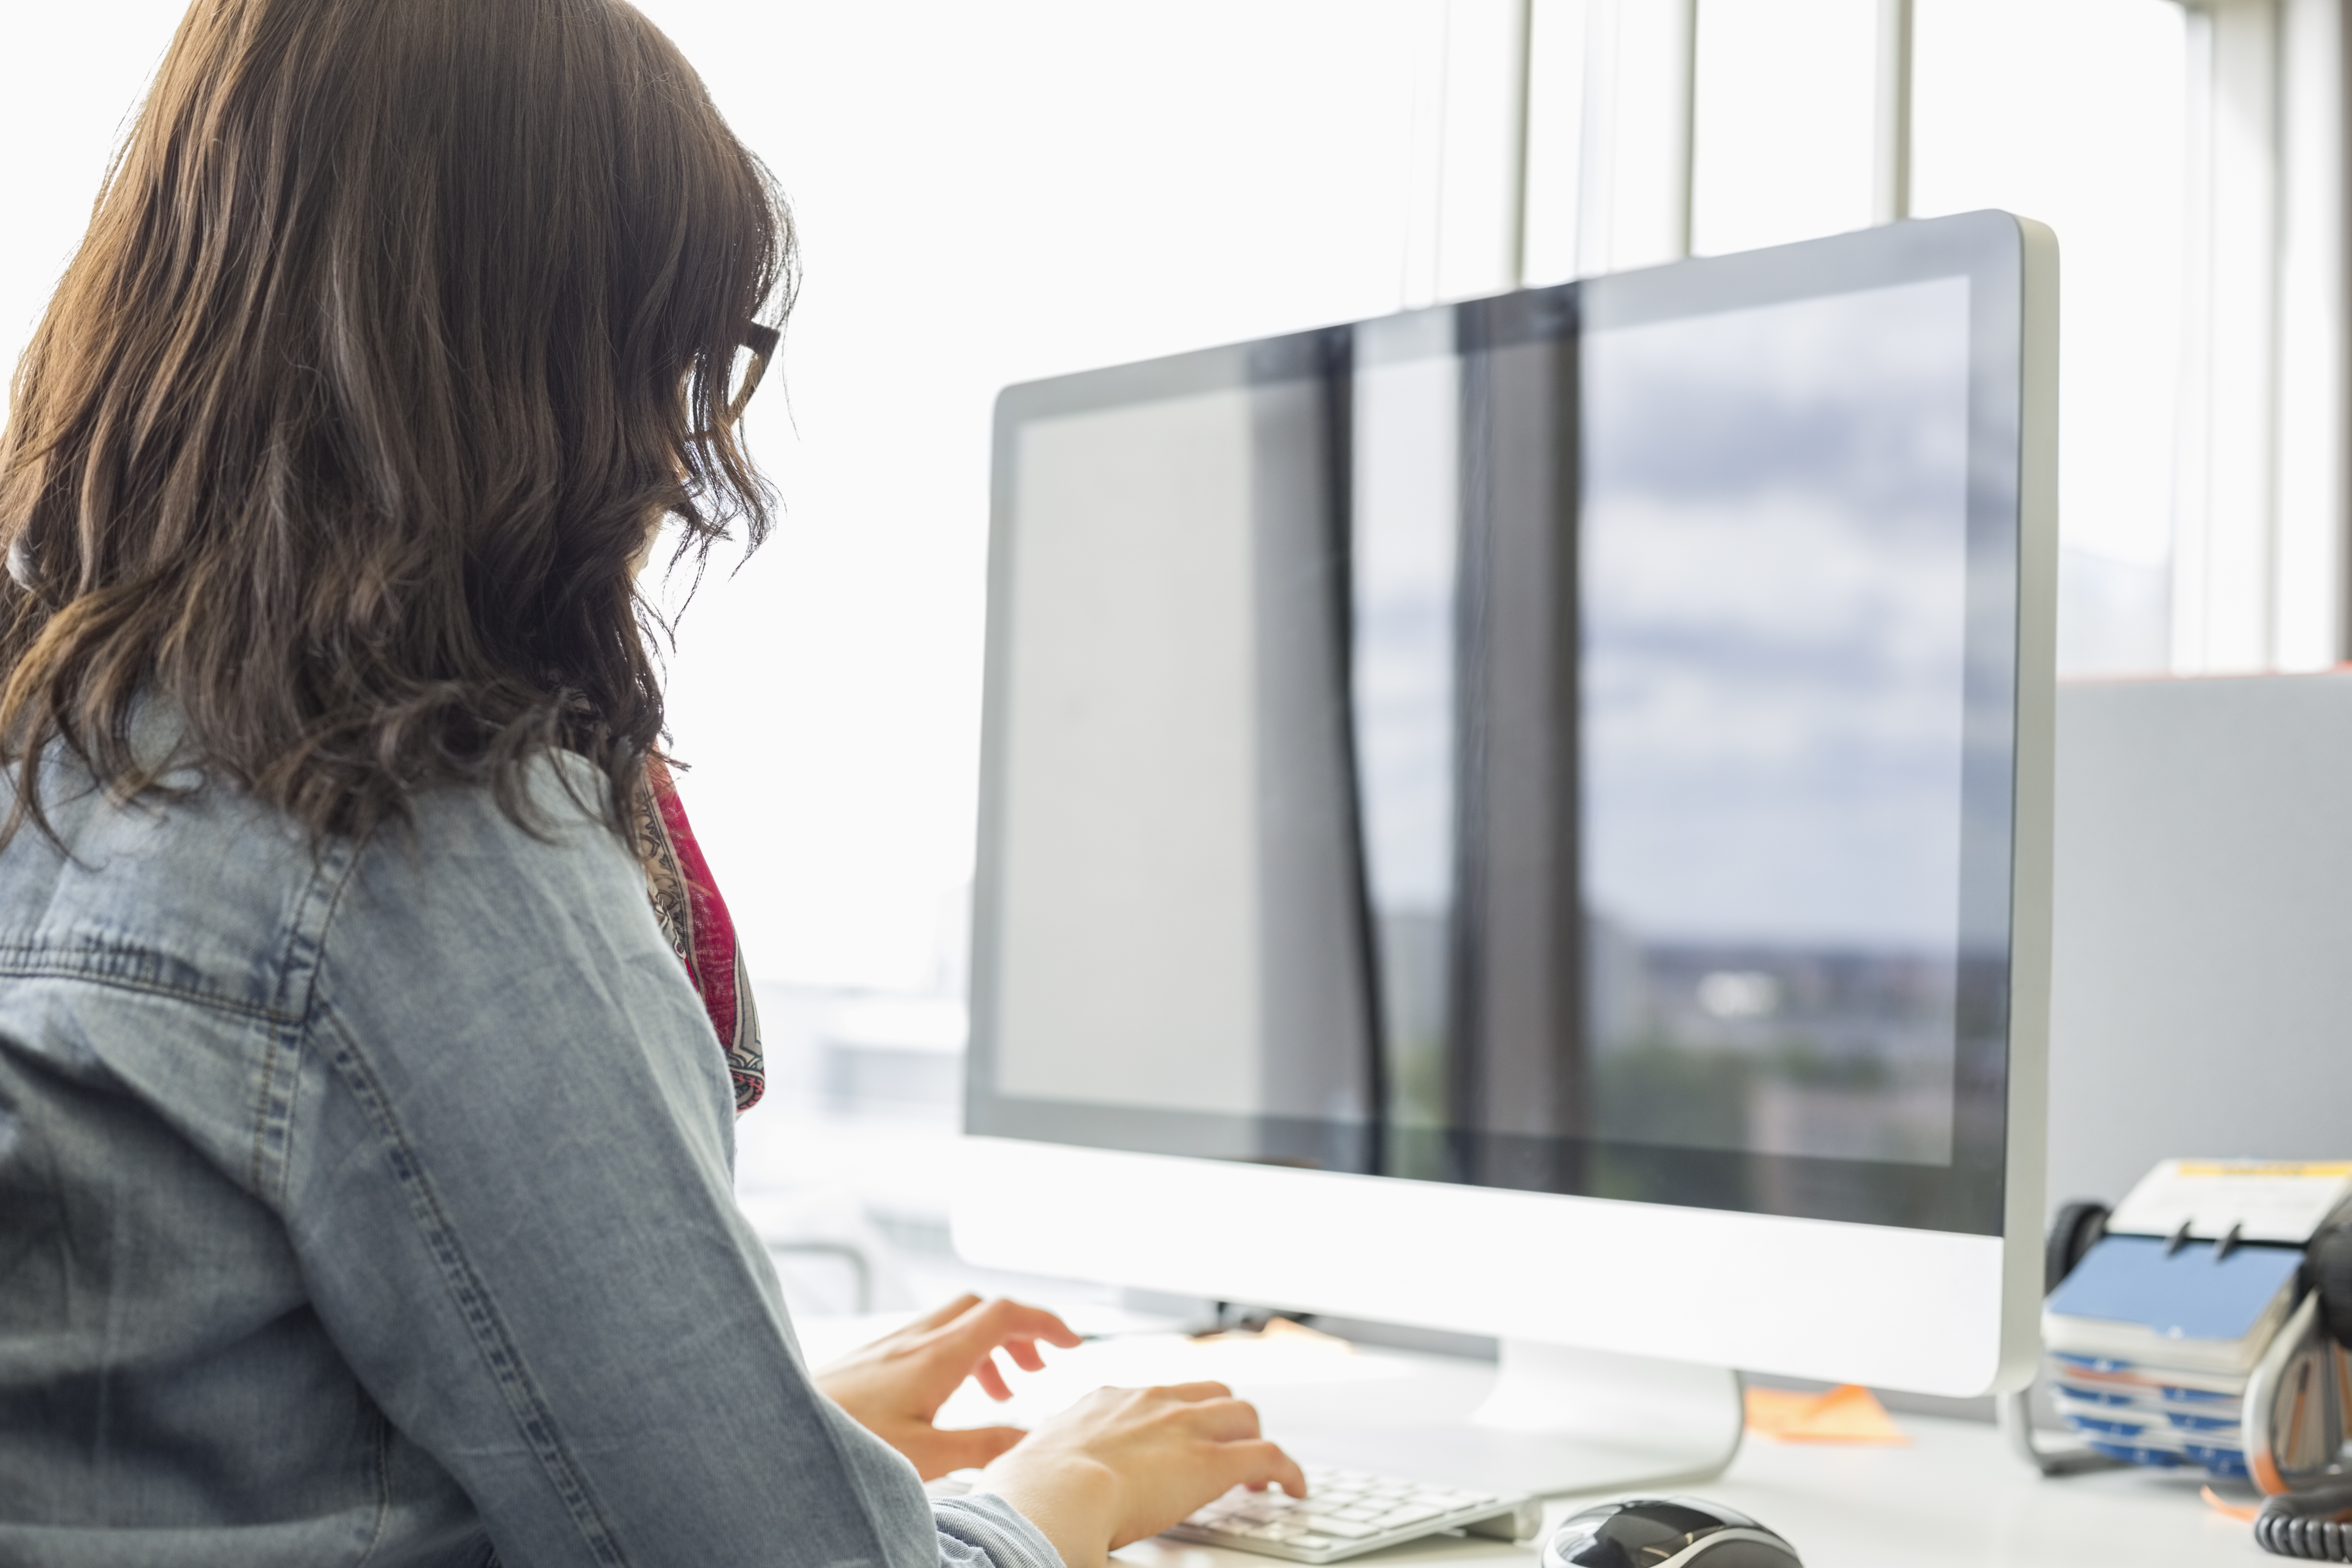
[2189, 1333]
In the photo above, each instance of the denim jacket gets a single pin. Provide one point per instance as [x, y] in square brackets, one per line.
[373, 1206]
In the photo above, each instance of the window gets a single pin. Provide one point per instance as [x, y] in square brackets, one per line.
[2070, 111]
[986, 194]
[69, 77]
[1784, 121]
[2074, 112]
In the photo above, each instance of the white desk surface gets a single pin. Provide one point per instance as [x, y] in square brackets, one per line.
[1954, 1498]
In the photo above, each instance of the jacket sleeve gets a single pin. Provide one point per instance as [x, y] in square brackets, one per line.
[508, 1186]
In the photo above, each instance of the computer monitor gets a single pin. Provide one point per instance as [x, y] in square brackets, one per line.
[1531, 818]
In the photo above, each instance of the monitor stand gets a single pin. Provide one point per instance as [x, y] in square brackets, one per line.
[1548, 1419]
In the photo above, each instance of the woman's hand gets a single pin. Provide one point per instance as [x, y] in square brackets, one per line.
[895, 1386]
[1125, 1463]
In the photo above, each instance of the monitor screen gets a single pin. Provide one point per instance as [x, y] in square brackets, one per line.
[1560, 742]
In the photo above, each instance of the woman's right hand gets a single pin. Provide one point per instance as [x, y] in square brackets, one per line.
[1125, 1463]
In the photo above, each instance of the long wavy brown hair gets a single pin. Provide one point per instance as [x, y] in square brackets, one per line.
[398, 326]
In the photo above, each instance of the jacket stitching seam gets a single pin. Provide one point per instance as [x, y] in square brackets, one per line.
[261, 1117]
[473, 1304]
[208, 1001]
[288, 1040]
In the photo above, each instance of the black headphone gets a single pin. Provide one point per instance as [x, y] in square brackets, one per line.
[2317, 1525]
[2330, 1259]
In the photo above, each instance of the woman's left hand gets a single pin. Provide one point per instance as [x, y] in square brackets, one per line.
[894, 1387]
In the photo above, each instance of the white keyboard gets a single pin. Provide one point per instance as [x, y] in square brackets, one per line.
[1346, 1512]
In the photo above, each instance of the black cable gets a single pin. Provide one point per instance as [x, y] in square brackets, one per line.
[2314, 1525]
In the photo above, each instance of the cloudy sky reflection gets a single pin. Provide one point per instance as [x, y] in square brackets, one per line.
[1774, 565]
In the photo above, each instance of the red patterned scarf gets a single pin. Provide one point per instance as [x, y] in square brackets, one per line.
[694, 918]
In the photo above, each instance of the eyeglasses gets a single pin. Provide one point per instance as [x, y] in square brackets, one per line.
[761, 341]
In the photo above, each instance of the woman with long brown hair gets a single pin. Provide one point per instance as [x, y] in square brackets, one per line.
[364, 1148]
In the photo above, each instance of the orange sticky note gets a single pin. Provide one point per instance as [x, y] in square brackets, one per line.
[1847, 1413]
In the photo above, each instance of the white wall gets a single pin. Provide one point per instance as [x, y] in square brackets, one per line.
[69, 77]
[987, 193]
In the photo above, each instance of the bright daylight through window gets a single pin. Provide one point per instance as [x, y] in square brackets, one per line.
[1127, 181]
[2070, 112]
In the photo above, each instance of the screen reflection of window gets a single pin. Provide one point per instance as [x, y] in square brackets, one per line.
[1773, 560]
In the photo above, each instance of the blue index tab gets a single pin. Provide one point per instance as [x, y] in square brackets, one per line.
[2227, 1462]
[2198, 1396]
[2159, 1458]
[2188, 1295]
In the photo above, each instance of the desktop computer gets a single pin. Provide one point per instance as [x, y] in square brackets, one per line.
[1531, 818]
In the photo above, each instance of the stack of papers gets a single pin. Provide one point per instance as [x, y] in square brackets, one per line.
[2148, 1344]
